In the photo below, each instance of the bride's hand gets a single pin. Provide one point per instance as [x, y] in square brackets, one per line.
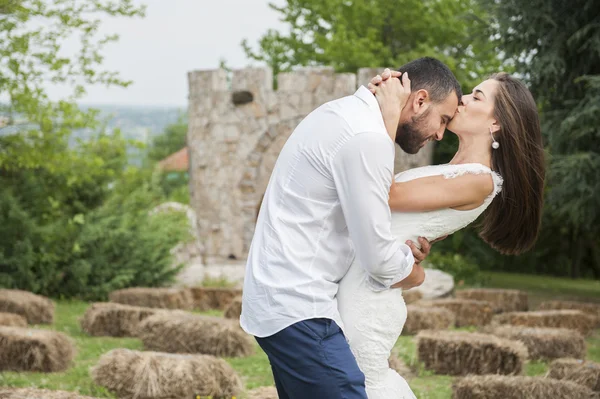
[385, 75]
[392, 96]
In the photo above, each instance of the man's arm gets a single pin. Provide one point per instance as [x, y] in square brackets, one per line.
[362, 172]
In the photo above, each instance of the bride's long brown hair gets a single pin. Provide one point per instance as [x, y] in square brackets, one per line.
[512, 221]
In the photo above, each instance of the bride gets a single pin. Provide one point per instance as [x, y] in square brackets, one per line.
[497, 172]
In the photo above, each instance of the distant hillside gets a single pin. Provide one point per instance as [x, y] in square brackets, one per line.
[136, 122]
[139, 123]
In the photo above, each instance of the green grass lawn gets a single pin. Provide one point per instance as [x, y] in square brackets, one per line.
[541, 288]
[255, 369]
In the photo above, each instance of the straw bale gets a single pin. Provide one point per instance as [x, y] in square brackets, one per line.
[12, 319]
[398, 365]
[427, 318]
[462, 353]
[517, 387]
[571, 319]
[411, 296]
[36, 309]
[32, 393]
[262, 393]
[544, 343]
[206, 298]
[166, 298]
[585, 373]
[501, 300]
[588, 308]
[153, 375]
[115, 320]
[234, 309]
[26, 349]
[468, 312]
[176, 333]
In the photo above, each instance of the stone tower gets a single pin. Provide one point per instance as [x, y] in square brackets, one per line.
[236, 131]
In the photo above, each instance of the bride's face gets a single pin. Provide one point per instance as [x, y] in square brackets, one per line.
[475, 115]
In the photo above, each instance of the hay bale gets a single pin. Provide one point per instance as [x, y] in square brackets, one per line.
[114, 319]
[26, 349]
[462, 353]
[571, 319]
[31, 393]
[177, 333]
[165, 298]
[153, 375]
[545, 343]
[206, 298]
[578, 371]
[36, 309]
[517, 387]
[501, 300]
[262, 393]
[396, 364]
[468, 312]
[234, 309]
[592, 309]
[411, 296]
[427, 318]
[12, 320]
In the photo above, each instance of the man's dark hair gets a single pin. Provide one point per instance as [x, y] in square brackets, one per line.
[434, 76]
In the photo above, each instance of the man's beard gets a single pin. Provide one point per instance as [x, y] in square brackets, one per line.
[410, 136]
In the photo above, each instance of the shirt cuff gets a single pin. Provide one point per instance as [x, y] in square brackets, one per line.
[377, 286]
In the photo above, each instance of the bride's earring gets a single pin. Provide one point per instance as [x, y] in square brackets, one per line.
[495, 144]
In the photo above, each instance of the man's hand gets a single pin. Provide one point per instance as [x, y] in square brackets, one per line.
[414, 279]
[421, 254]
[417, 276]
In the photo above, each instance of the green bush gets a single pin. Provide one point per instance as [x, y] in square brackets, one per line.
[122, 245]
[175, 186]
[463, 271]
[75, 232]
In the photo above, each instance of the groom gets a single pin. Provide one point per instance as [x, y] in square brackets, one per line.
[327, 202]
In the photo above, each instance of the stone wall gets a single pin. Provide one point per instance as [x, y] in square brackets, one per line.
[233, 148]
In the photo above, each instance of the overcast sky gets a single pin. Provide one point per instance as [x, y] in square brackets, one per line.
[175, 37]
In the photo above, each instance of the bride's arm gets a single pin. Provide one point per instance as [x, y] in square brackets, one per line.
[436, 192]
[392, 95]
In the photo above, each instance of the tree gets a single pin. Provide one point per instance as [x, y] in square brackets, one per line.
[556, 47]
[373, 33]
[37, 162]
[172, 140]
[32, 36]
[74, 220]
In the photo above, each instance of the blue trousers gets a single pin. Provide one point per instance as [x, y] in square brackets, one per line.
[312, 360]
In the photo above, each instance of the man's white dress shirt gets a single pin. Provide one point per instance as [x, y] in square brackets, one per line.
[326, 202]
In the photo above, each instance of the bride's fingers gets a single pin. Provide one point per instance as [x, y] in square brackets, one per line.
[385, 75]
[406, 83]
[388, 73]
[376, 80]
[372, 88]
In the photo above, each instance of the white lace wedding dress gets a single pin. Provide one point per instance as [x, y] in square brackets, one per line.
[372, 320]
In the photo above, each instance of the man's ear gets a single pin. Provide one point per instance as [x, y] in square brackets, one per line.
[420, 101]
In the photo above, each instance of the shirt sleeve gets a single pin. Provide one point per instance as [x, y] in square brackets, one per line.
[362, 171]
